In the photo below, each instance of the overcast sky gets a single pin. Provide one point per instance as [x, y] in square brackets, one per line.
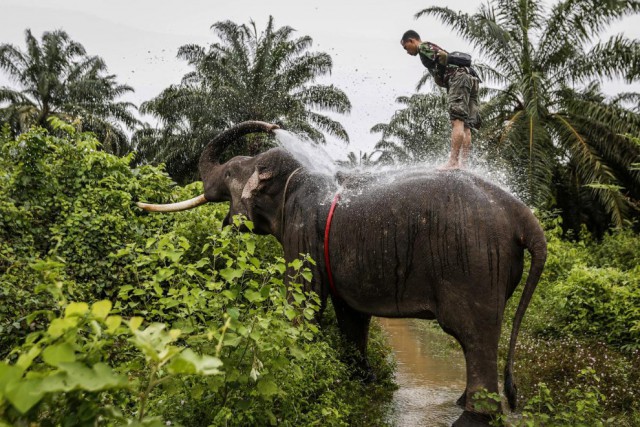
[139, 40]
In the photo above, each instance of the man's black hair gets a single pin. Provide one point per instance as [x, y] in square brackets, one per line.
[409, 35]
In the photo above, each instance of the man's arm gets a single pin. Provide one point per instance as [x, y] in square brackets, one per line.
[436, 62]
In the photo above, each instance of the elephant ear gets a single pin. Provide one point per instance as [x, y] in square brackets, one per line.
[260, 175]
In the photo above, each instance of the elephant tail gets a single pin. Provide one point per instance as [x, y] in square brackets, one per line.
[535, 242]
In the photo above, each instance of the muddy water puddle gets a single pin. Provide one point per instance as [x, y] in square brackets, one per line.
[430, 374]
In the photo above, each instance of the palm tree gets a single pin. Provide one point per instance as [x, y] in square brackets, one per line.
[548, 116]
[189, 120]
[57, 78]
[417, 132]
[246, 75]
[359, 160]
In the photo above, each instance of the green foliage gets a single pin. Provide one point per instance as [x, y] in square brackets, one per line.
[580, 406]
[584, 407]
[489, 403]
[604, 304]
[591, 288]
[139, 319]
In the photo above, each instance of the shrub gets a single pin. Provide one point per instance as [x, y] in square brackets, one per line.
[583, 316]
[602, 304]
[109, 313]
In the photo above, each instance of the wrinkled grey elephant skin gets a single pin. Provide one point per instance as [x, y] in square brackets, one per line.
[428, 244]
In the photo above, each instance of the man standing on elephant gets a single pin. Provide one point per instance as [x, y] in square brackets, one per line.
[461, 83]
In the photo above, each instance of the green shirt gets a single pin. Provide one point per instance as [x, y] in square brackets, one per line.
[428, 56]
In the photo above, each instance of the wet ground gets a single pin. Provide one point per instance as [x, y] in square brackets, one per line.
[430, 374]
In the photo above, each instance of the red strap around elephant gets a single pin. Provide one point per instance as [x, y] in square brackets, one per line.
[327, 228]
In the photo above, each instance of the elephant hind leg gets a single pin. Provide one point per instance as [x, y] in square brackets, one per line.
[462, 400]
[479, 342]
[354, 326]
[481, 357]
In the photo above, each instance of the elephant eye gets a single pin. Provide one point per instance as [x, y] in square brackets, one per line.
[227, 175]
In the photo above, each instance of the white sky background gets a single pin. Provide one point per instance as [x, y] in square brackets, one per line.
[139, 40]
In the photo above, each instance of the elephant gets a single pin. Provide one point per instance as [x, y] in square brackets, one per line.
[443, 245]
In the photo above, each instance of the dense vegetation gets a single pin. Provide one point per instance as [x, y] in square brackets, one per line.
[57, 78]
[111, 315]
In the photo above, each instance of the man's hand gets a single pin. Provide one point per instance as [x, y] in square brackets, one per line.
[442, 57]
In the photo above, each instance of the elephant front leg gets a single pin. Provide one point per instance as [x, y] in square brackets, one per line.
[354, 326]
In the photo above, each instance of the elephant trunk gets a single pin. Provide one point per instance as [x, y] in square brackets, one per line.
[209, 165]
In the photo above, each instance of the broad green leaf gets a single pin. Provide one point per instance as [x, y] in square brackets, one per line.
[58, 353]
[174, 256]
[59, 326]
[253, 296]
[123, 252]
[231, 295]
[267, 387]
[307, 275]
[290, 313]
[25, 394]
[25, 359]
[280, 268]
[8, 375]
[76, 309]
[100, 377]
[297, 352]
[189, 362]
[184, 243]
[101, 309]
[56, 382]
[158, 289]
[230, 274]
[135, 322]
[113, 323]
[163, 274]
[296, 264]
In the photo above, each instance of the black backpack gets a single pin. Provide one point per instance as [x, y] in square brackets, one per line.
[462, 59]
[459, 58]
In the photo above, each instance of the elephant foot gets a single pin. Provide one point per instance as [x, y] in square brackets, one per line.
[473, 419]
[462, 400]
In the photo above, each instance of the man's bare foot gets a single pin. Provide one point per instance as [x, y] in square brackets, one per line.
[448, 166]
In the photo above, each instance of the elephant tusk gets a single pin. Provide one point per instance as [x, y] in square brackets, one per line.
[174, 207]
